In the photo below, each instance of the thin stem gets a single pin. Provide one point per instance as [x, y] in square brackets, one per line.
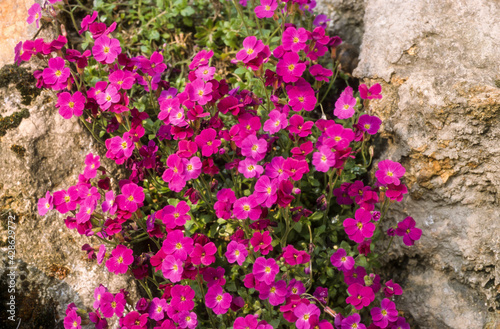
[242, 17]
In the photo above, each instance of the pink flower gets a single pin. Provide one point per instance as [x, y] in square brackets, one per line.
[247, 207]
[70, 105]
[408, 231]
[384, 314]
[339, 137]
[45, 204]
[236, 252]
[91, 164]
[207, 141]
[107, 98]
[302, 98]
[201, 58]
[203, 254]
[303, 313]
[344, 106]
[275, 169]
[266, 8]
[122, 79]
[199, 91]
[324, 159]
[178, 245]
[372, 93]
[299, 127]
[182, 298]
[254, 148]
[135, 320]
[295, 168]
[251, 48]
[320, 73]
[265, 269]
[175, 216]
[193, 168]
[106, 50]
[341, 261]
[389, 172]
[266, 191]
[275, 292]
[295, 257]
[361, 227]
[248, 322]
[72, 319]
[121, 258]
[186, 319]
[249, 168]
[294, 39]
[217, 300]
[131, 198]
[172, 268]
[86, 21]
[290, 68]
[352, 321]
[360, 296]
[223, 205]
[111, 305]
[396, 192]
[262, 242]
[34, 14]
[276, 122]
[56, 74]
[392, 289]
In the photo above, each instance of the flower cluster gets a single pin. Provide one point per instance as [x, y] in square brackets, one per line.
[220, 210]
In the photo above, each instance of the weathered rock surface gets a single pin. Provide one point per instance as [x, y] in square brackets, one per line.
[438, 64]
[40, 151]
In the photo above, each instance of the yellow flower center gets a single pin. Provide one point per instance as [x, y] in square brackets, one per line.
[130, 198]
[384, 312]
[295, 40]
[306, 316]
[367, 126]
[175, 267]
[277, 123]
[268, 8]
[113, 304]
[106, 50]
[294, 290]
[337, 138]
[189, 167]
[188, 318]
[250, 168]
[323, 158]
[390, 174]
[246, 207]
[67, 198]
[75, 324]
[205, 72]
[209, 143]
[249, 51]
[200, 92]
[269, 190]
[176, 215]
[267, 269]
[291, 67]
[183, 299]
[120, 260]
[178, 246]
[343, 259]
[237, 252]
[359, 225]
[58, 73]
[219, 298]
[108, 98]
[346, 107]
[301, 99]
[255, 147]
[124, 145]
[272, 290]
[71, 105]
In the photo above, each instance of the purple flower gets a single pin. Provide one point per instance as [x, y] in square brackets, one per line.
[266, 191]
[106, 50]
[178, 245]
[207, 141]
[122, 79]
[199, 91]
[321, 20]
[302, 97]
[368, 123]
[400, 324]
[384, 314]
[392, 289]
[304, 313]
[157, 308]
[217, 300]
[236, 252]
[182, 298]
[408, 231]
[249, 168]
[360, 227]
[276, 292]
[186, 319]
[341, 261]
[352, 321]
[131, 198]
[320, 73]
[72, 319]
[86, 21]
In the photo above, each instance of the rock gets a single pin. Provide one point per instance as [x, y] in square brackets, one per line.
[346, 18]
[40, 151]
[437, 62]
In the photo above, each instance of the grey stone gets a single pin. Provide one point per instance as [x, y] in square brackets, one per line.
[438, 65]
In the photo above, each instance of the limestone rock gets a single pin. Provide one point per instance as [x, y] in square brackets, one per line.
[437, 62]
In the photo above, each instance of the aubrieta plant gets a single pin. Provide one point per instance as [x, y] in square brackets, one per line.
[243, 207]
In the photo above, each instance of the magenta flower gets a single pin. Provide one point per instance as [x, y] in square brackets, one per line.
[265, 270]
[217, 300]
[122, 79]
[320, 73]
[295, 257]
[174, 175]
[107, 98]
[199, 91]
[276, 122]
[389, 172]
[294, 39]
[372, 93]
[34, 15]
[299, 127]
[121, 258]
[178, 245]
[275, 169]
[249, 168]
[91, 164]
[262, 242]
[172, 269]
[276, 292]
[248, 322]
[400, 324]
[86, 21]
[266, 8]
[392, 289]
[341, 261]
[109, 204]
[224, 203]
[186, 319]
[182, 298]
[251, 48]
[201, 58]
[65, 201]
[100, 255]
[175, 216]
[304, 313]
[302, 98]
[131, 198]
[157, 309]
[236, 252]
[205, 73]
[352, 321]
[324, 159]
[368, 123]
[408, 231]
[295, 168]
[360, 227]
[356, 275]
[203, 254]
[56, 74]
[193, 168]
[45, 204]
[207, 141]
[266, 191]
[214, 276]
[112, 304]
[72, 319]
[384, 314]
[135, 320]
[344, 106]
[290, 68]
[339, 137]
[98, 292]
[247, 207]
[360, 296]
[254, 148]
[106, 50]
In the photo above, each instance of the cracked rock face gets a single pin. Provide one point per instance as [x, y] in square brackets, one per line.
[437, 62]
[40, 151]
